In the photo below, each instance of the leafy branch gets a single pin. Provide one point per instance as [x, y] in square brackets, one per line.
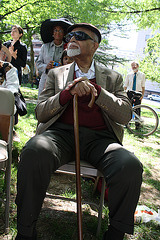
[15, 10]
[134, 11]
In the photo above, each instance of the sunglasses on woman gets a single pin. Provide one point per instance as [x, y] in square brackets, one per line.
[79, 36]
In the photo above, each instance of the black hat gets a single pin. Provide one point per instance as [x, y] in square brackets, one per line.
[88, 26]
[47, 26]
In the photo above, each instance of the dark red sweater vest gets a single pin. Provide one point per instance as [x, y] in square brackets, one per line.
[88, 117]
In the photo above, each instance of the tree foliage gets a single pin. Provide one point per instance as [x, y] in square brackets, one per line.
[105, 14]
[150, 65]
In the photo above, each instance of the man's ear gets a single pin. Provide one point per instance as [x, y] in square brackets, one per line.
[96, 45]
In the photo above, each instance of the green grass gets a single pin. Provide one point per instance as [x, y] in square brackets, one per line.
[29, 93]
[147, 149]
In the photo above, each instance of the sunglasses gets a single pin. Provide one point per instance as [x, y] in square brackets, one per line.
[79, 36]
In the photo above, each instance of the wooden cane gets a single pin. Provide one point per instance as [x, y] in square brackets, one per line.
[78, 178]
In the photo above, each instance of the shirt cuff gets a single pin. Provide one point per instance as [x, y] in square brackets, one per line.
[65, 96]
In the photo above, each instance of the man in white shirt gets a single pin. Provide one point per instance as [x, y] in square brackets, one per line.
[135, 81]
[140, 80]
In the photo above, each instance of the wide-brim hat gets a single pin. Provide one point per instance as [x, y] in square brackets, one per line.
[7, 53]
[47, 26]
[87, 26]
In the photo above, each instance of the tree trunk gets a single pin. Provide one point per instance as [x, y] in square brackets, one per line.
[31, 62]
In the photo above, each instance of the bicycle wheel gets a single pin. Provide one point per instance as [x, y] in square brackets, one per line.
[146, 123]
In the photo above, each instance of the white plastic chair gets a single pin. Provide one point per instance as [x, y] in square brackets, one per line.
[6, 136]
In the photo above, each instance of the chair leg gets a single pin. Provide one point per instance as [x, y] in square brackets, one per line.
[101, 206]
[7, 203]
[95, 184]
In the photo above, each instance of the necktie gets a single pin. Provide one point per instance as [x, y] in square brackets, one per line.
[134, 82]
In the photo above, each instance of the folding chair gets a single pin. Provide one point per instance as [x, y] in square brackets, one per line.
[6, 136]
[87, 170]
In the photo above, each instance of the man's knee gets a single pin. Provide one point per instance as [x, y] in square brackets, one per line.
[36, 154]
[130, 164]
[123, 163]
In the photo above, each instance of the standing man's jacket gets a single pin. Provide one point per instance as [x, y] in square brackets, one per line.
[113, 101]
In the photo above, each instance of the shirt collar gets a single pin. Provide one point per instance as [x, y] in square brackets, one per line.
[53, 44]
[90, 74]
[92, 68]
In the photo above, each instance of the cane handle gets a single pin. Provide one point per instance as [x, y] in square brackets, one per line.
[92, 101]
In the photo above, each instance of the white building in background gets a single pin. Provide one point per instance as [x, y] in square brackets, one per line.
[133, 50]
[142, 38]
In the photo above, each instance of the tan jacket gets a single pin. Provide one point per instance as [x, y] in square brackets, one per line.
[113, 101]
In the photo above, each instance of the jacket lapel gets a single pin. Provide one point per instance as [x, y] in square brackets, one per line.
[68, 74]
[101, 77]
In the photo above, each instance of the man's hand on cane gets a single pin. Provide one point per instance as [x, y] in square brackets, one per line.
[82, 86]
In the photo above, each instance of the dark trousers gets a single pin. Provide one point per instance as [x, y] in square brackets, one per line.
[135, 101]
[44, 153]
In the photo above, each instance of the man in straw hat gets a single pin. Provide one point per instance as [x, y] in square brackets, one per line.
[52, 34]
[100, 134]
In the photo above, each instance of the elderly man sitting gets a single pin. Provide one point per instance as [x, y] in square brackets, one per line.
[100, 135]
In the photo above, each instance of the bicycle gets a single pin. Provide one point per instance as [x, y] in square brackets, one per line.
[144, 120]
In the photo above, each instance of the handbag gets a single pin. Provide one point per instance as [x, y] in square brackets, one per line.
[20, 103]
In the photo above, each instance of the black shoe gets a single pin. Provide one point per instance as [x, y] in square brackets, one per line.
[105, 235]
[22, 237]
[113, 234]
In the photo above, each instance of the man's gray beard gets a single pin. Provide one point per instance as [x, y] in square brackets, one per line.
[73, 52]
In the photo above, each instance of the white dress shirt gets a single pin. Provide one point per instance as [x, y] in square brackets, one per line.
[90, 74]
[140, 81]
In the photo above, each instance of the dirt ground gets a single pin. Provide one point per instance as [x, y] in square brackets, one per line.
[64, 210]
[59, 212]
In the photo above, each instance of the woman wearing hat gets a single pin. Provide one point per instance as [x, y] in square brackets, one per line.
[52, 33]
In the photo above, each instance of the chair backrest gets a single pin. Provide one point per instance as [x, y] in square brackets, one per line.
[6, 123]
[6, 130]
[6, 114]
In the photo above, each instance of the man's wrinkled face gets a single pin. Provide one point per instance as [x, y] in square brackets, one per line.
[73, 49]
[81, 47]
